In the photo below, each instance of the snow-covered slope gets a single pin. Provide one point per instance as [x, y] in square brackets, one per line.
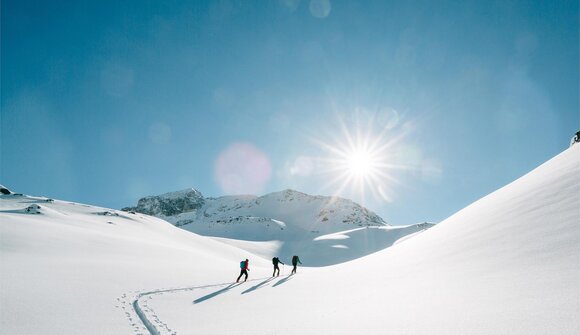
[333, 248]
[287, 209]
[324, 230]
[68, 268]
[507, 264]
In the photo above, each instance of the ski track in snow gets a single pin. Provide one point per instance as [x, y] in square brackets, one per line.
[137, 308]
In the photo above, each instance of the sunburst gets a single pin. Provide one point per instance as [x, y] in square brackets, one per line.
[360, 160]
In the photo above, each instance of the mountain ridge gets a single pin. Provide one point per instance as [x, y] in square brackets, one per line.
[288, 221]
[188, 204]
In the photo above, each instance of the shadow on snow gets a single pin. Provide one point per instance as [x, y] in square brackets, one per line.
[283, 280]
[216, 293]
[255, 287]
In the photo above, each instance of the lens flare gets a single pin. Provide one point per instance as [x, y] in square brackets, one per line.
[242, 169]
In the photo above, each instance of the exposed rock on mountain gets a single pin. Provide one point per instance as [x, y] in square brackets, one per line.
[169, 204]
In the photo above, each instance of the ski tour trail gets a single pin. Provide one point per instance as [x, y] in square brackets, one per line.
[144, 320]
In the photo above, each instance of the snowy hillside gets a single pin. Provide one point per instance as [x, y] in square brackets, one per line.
[324, 230]
[69, 268]
[211, 215]
[507, 264]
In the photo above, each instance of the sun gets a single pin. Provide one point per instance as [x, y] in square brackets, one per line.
[360, 161]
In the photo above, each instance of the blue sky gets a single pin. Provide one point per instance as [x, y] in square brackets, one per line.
[104, 102]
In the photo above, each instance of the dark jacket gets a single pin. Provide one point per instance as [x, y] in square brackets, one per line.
[296, 260]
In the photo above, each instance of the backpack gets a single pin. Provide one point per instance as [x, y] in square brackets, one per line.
[242, 264]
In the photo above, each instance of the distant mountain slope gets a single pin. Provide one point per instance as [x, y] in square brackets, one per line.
[294, 223]
[300, 210]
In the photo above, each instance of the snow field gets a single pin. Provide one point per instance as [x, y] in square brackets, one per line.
[507, 264]
[65, 270]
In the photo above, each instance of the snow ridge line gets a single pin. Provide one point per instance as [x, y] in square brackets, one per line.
[143, 317]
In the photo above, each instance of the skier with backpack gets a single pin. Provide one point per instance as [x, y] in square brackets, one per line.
[275, 261]
[244, 268]
[295, 261]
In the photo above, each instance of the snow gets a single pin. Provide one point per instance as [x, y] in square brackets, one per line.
[293, 221]
[507, 264]
[64, 269]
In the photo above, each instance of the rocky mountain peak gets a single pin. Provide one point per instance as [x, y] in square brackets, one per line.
[169, 204]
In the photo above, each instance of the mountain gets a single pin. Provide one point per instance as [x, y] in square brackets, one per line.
[169, 204]
[324, 230]
[315, 212]
[70, 268]
[506, 264]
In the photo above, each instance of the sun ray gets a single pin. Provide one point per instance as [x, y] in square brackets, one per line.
[361, 160]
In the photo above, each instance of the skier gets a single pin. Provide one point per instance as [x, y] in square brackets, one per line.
[244, 266]
[275, 261]
[295, 261]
